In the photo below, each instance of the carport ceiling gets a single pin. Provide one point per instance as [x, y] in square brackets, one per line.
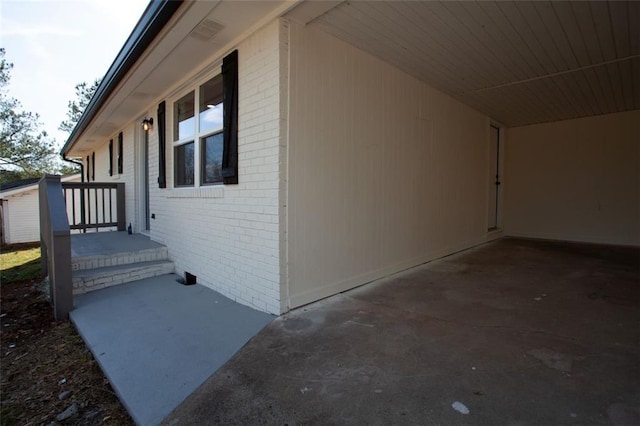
[518, 62]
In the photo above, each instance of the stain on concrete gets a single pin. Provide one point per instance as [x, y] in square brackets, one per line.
[446, 266]
[553, 359]
[297, 324]
[621, 414]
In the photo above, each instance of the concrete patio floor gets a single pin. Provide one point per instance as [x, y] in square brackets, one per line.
[158, 340]
[517, 332]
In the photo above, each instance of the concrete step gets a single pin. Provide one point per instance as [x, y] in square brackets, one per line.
[80, 263]
[85, 280]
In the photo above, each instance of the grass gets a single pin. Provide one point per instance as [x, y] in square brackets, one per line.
[41, 358]
[19, 262]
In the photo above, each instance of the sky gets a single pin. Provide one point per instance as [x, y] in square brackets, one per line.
[56, 44]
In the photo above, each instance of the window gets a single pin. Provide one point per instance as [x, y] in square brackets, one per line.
[205, 130]
[184, 170]
[212, 158]
[183, 134]
[211, 145]
[184, 118]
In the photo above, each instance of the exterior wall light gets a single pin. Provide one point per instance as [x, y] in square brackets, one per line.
[146, 124]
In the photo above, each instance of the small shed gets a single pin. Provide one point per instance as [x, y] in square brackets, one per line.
[19, 210]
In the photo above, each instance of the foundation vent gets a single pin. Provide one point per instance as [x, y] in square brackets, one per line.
[206, 30]
[189, 279]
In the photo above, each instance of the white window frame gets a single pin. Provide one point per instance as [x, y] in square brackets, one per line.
[197, 136]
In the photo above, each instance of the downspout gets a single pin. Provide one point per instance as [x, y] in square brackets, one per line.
[78, 163]
[82, 213]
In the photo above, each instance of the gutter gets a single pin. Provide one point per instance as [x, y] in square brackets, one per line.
[153, 20]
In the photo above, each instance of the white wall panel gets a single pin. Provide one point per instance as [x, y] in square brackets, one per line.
[384, 171]
[575, 180]
[22, 215]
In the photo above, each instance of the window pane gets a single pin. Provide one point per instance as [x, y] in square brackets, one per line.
[183, 156]
[212, 159]
[211, 105]
[183, 117]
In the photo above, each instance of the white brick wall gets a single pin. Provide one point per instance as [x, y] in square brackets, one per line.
[229, 236]
[128, 176]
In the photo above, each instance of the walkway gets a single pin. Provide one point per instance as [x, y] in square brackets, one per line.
[157, 340]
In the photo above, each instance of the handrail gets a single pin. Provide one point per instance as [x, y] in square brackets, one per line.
[55, 245]
[99, 205]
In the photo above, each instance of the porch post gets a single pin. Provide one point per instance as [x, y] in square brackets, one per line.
[60, 275]
[122, 222]
[55, 248]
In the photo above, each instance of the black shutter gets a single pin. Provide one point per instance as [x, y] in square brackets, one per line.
[111, 157]
[162, 152]
[120, 154]
[93, 166]
[230, 118]
[88, 170]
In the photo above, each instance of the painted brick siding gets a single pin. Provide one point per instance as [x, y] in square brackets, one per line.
[229, 236]
[128, 170]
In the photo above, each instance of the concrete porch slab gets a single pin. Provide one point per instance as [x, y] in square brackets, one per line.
[157, 340]
[107, 243]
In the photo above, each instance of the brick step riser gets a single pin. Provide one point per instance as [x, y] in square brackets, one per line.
[89, 283]
[92, 262]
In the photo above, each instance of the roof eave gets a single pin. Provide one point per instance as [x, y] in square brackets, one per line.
[31, 186]
[153, 20]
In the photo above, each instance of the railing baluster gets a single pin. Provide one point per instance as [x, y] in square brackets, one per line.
[73, 206]
[104, 217]
[90, 215]
[95, 194]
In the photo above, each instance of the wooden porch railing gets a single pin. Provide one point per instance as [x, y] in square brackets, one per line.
[67, 206]
[95, 205]
[55, 245]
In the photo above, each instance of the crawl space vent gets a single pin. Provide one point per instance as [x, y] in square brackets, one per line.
[189, 279]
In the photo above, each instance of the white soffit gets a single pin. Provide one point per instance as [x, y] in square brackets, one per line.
[189, 42]
[518, 62]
